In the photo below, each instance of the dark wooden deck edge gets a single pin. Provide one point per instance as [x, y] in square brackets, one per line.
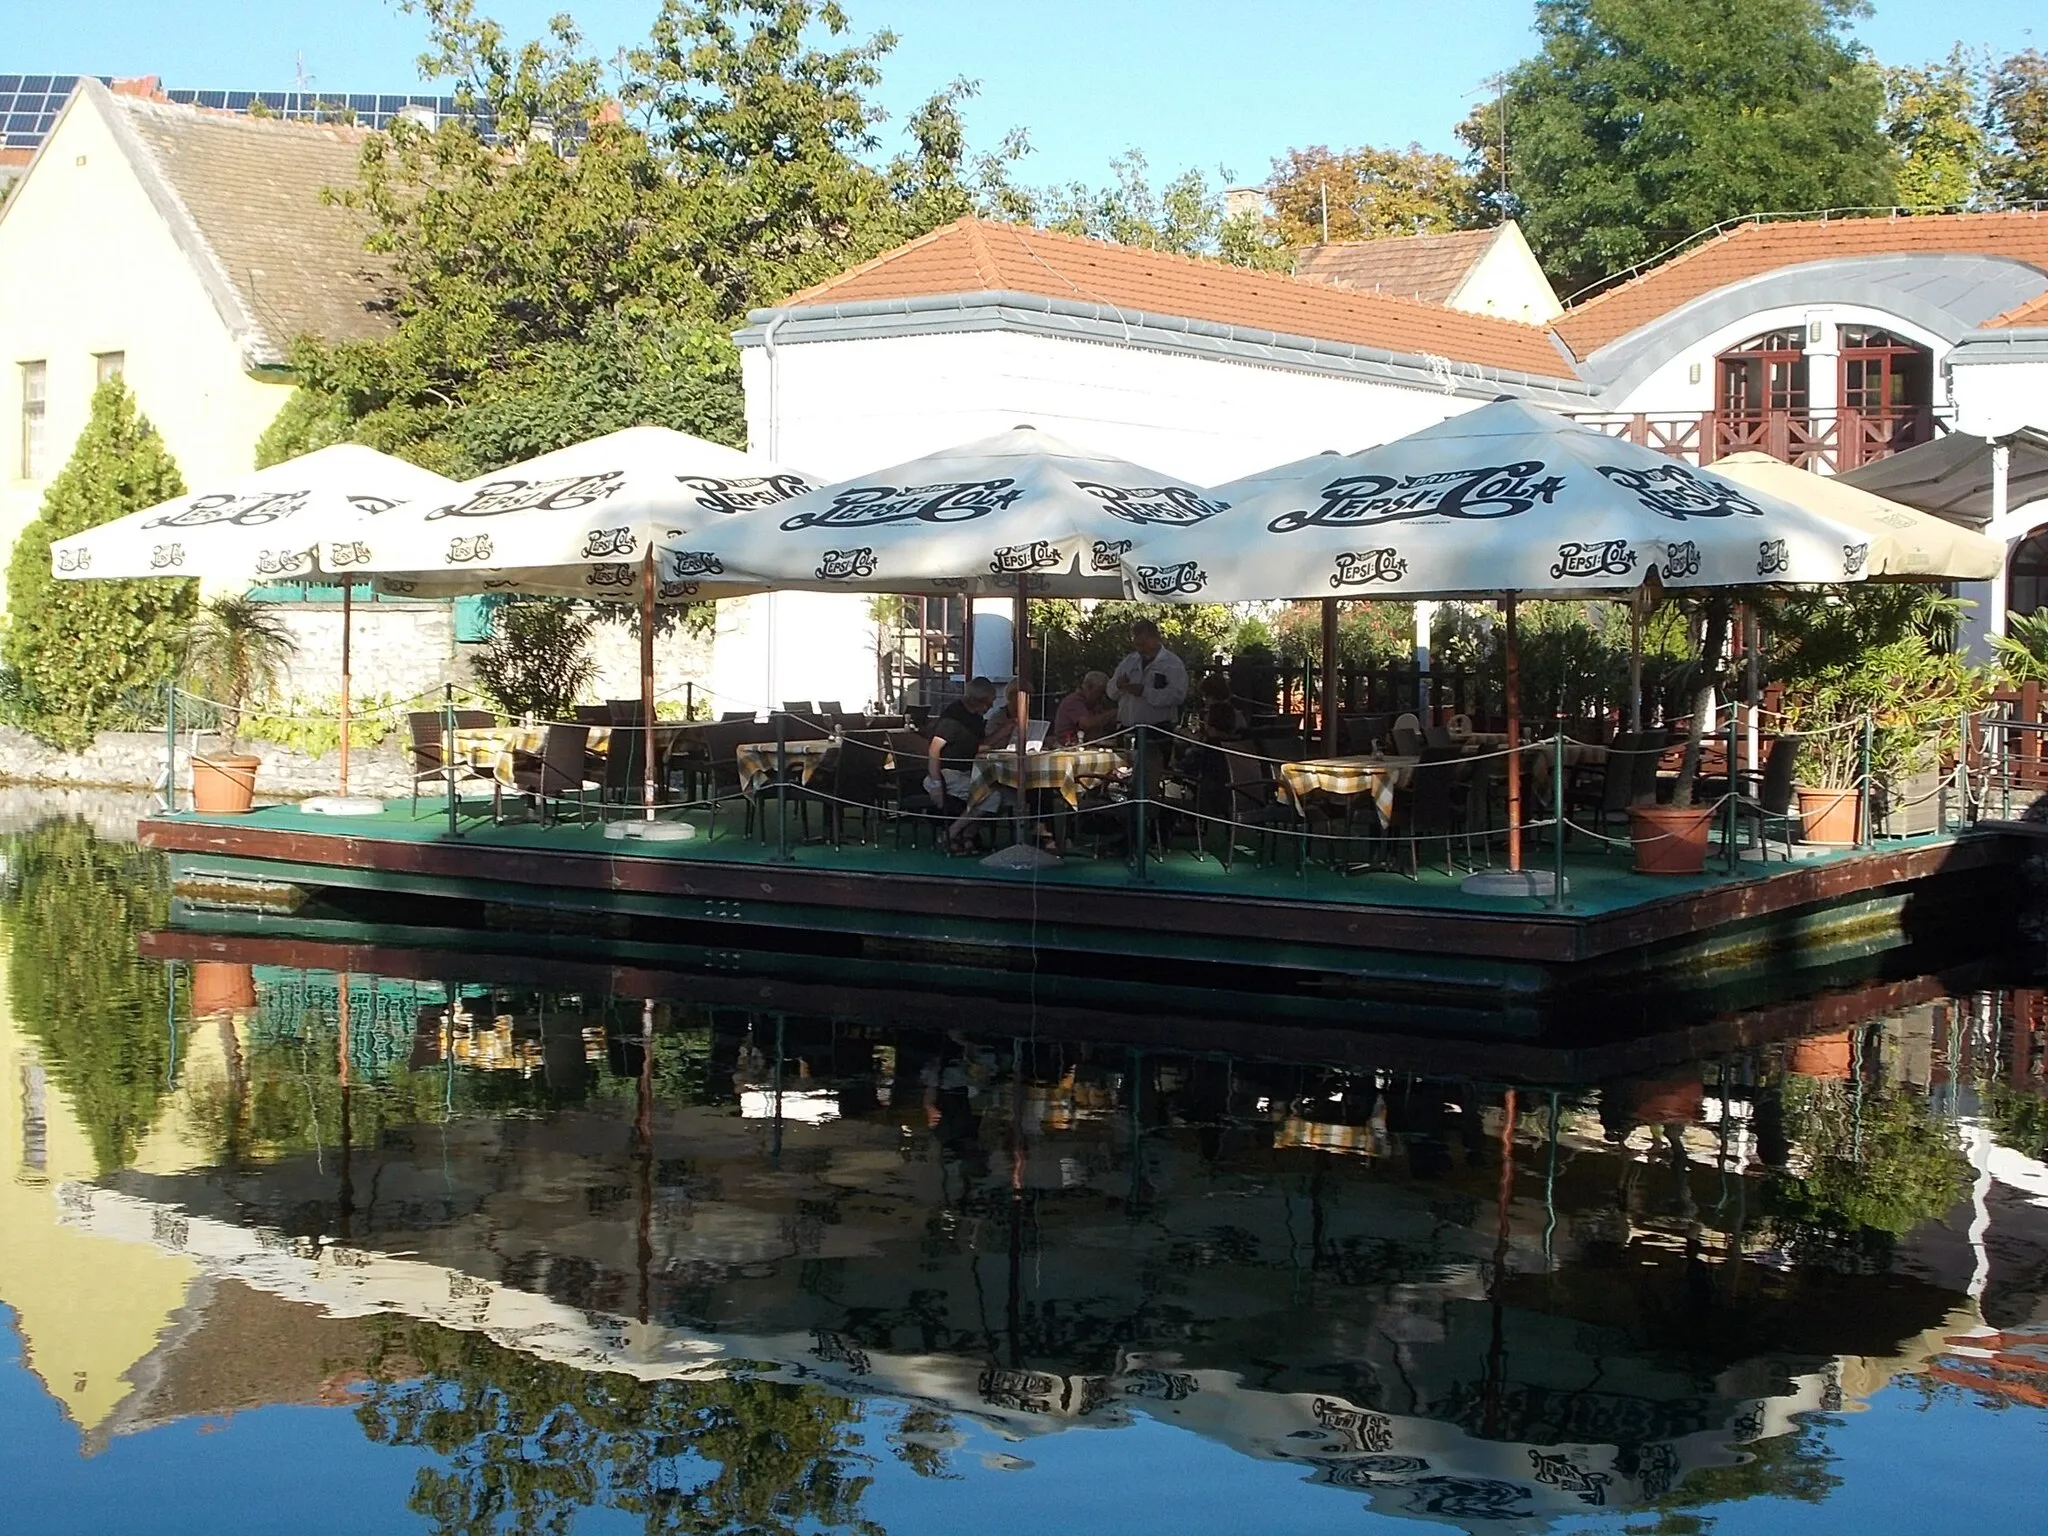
[1543, 939]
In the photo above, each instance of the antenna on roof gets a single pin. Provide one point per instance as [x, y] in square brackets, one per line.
[303, 82]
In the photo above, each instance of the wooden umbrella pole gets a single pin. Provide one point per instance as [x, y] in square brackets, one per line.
[1023, 675]
[966, 642]
[348, 588]
[1635, 665]
[1329, 702]
[1514, 691]
[647, 680]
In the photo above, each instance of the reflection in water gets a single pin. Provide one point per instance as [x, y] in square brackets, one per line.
[698, 1265]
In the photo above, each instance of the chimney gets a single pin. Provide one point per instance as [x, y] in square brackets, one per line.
[1244, 200]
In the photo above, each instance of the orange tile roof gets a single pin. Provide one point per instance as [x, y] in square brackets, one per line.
[1425, 267]
[2033, 312]
[1750, 250]
[979, 256]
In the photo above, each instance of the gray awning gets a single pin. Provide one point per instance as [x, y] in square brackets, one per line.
[1951, 476]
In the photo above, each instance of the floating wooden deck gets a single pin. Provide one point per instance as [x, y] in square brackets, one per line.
[1190, 922]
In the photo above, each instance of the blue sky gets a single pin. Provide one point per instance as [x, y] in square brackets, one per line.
[1190, 82]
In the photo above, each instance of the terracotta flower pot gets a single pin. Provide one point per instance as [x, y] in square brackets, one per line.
[220, 986]
[1670, 841]
[1826, 1056]
[224, 785]
[1830, 816]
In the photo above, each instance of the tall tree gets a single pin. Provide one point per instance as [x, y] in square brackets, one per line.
[582, 269]
[1185, 216]
[2017, 99]
[1367, 193]
[78, 651]
[1934, 117]
[1640, 122]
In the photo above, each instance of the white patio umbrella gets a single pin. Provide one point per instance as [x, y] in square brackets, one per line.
[268, 525]
[583, 521]
[1905, 543]
[1507, 500]
[1021, 513]
[1018, 509]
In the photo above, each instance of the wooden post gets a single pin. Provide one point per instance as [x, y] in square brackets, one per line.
[966, 643]
[1329, 703]
[1514, 703]
[348, 589]
[1021, 628]
[647, 774]
[1635, 666]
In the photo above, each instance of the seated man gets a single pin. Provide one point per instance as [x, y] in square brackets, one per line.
[957, 735]
[1085, 713]
[1001, 720]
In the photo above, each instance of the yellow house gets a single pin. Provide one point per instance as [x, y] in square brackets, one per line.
[184, 249]
[89, 1308]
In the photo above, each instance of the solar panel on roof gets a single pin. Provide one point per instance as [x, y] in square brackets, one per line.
[35, 83]
[238, 101]
[9, 84]
[63, 83]
[213, 98]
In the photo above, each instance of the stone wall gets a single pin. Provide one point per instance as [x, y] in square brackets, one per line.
[135, 760]
[397, 651]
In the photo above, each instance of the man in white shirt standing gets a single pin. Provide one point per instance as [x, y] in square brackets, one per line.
[1150, 684]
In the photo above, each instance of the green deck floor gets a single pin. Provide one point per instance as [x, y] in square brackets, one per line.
[1600, 883]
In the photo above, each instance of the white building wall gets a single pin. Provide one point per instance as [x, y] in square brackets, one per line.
[88, 266]
[1993, 398]
[841, 408]
[1508, 282]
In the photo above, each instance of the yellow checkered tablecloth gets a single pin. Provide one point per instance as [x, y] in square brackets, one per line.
[491, 749]
[1065, 769]
[757, 760]
[1346, 776]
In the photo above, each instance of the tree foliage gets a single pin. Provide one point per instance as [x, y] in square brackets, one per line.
[1640, 122]
[77, 650]
[537, 660]
[2016, 102]
[529, 1444]
[72, 913]
[1934, 118]
[585, 271]
[1370, 193]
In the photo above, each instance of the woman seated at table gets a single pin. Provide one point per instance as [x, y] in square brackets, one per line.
[1216, 716]
[1001, 721]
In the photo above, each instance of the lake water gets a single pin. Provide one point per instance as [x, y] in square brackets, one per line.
[302, 1238]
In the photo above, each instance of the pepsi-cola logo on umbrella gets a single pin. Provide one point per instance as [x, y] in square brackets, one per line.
[1677, 492]
[1854, 558]
[875, 506]
[1167, 505]
[1363, 567]
[609, 543]
[242, 511]
[497, 498]
[743, 495]
[847, 564]
[467, 551]
[1681, 560]
[1601, 557]
[683, 564]
[1772, 557]
[1108, 554]
[1366, 501]
[1171, 580]
[1021, 559]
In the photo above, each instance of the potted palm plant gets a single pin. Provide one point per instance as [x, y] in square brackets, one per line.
[236, 650]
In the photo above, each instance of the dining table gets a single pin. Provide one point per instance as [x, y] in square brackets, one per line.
[1070, 770]
[757, 760]
[493, 749]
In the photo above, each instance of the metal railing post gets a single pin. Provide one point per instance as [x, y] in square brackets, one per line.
[1140, 777]
[1557, 811]
[781, 787]
[171, 747]
[448, 756]
[1863, 831]
[1728, 826]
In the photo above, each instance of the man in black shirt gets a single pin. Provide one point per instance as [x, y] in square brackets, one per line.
[956, 738]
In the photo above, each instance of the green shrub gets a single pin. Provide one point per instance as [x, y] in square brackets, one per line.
[537, 662]
[78, 647]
